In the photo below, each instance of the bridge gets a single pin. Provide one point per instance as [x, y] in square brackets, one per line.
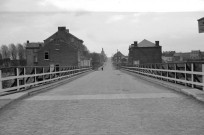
[78, 101]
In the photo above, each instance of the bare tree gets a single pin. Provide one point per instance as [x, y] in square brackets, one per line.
[21, 51]
[0, 55]
[5, 52]
[13, 51]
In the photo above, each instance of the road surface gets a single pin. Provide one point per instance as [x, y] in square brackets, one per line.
[107, 102]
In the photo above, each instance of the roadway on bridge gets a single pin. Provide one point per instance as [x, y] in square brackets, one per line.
[107, 102]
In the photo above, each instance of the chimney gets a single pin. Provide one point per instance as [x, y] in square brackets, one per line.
[156, 43]
[132, 45]
[135, 43]
[27, 41]
[61, 28]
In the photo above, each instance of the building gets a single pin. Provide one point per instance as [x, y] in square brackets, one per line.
[119, 59]
[168, 56]
[145, 52]
[60, 49]
[194, 55]
[201, 25]
[103, 56]
[32, 52]
[181, 57]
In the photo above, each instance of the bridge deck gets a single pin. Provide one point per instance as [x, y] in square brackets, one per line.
[105, 102]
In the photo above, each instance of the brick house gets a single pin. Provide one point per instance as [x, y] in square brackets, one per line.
[62, 49]
[145, 52]
[119, 58]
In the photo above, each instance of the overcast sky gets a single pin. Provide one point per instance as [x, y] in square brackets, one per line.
[108, 24]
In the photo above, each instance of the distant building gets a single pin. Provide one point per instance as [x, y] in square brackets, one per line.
[194, 55]
[168, 56]
[60, 49]
[119, 58]
[201, 25]
[181, 57]
[103, 56]
[145, 52]
[32, 52]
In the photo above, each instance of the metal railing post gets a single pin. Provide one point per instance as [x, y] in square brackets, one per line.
[167, 72]
[24, 73]
[43, 76]
[192, 76]
[0, 80]
[35, 78]
[175, 77]
[17, 79]
[185, 69]
[202, 77]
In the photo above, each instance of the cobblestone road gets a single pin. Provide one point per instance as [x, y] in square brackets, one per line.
[105, 102]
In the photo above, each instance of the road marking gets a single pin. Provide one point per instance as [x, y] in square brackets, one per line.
[106, 96]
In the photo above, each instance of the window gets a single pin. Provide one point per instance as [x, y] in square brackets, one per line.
[46, 55]
[35, 59]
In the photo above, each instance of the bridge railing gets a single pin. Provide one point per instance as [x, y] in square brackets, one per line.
[189, 74]
[21, 78]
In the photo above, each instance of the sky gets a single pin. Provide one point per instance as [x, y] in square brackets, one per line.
[107, 24]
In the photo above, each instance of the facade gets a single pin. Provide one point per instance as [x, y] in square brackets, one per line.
[168, 56]
[32, 52]
[145, 52]
[201, 25]
[61, 49]
[119, 58]
[194, 55]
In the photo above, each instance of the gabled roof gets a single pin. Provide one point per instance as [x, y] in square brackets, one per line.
[201, 19]
[119, 54]
[67, 32]
[146, 43]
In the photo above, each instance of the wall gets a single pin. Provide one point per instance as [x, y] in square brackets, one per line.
[59, 53]
[146, 55]
[30, 54]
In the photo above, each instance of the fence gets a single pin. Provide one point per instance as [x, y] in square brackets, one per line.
[190, 74]
[21, 78]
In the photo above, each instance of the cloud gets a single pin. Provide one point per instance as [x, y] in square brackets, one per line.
[102, 5]
[171, 29]
[115, 18]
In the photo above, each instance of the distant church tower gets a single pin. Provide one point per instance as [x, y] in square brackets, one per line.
[102, 52]
[103, 56]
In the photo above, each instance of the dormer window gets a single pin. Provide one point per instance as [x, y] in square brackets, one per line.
[46, 55]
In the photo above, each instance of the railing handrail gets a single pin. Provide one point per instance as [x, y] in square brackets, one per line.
[36, 66]
[186, 75]
[34, 77]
